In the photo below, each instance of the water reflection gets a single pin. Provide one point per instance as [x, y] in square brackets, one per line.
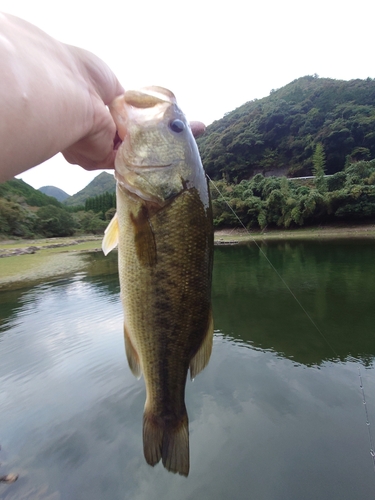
[275, 415]
[333, 281]
[99, 271]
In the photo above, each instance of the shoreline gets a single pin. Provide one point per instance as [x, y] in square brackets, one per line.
[23, 262]
[347, 231]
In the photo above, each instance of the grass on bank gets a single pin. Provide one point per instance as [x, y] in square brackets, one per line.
[318, 232]
[44, 263]
[63, 260]
[46, 242]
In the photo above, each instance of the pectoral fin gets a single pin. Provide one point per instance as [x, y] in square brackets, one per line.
[132, 355]
[202, 357]
[144, 239]
[110, 239]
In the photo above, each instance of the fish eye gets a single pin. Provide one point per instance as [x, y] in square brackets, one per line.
[177, 126]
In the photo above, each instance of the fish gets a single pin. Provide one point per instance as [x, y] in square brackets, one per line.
[164, 232]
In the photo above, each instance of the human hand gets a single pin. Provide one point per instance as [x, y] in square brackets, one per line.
[53, 99]
[97, 149]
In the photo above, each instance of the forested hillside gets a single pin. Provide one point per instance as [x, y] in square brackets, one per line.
[27, 213]
[18, 190]
[281, 202]
[277, 135]
[313, 126]
[102, 183]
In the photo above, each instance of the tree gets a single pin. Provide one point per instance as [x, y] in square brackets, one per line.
[110, 213]
[319, 162]
[101, 203]
[15, 220]
[54, 221]
[90, 222]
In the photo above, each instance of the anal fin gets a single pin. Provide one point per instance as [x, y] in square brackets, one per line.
[202, 357]
[132, 356]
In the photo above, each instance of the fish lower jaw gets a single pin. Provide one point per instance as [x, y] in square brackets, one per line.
[135, 193]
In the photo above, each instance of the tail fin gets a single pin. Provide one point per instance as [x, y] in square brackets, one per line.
[167, 440]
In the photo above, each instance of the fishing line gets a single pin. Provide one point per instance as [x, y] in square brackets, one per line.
[276, 271]
[372, 452]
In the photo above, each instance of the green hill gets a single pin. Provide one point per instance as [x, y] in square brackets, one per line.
[26, 212]
[277, 135]
[57, 193]
[102, 183]
[18, 191]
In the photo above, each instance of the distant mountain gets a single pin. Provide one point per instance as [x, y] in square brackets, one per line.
[57, 193]
[20, 192]
[102, 183]
[277, 135]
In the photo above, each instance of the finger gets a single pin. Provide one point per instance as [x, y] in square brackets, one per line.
[96, 150]
[88, 163]
[101, 76]
[92, 154]
[198, 128]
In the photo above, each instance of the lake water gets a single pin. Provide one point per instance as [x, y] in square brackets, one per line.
[278, 414]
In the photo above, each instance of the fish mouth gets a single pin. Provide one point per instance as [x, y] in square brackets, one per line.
[116, 142]
[135, 169]
[143, 168]
[126, 184]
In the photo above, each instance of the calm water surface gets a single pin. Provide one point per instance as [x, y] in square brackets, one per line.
[277, 414]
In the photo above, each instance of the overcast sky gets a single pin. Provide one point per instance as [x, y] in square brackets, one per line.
[214, 56]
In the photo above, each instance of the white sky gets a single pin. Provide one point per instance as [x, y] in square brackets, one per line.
[213, 55]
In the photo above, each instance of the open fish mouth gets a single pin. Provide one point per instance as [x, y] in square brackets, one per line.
[116, 142]
[142, 168]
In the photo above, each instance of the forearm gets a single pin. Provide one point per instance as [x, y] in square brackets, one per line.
[48, 96]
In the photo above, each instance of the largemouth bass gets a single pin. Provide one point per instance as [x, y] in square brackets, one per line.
[163, 228]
